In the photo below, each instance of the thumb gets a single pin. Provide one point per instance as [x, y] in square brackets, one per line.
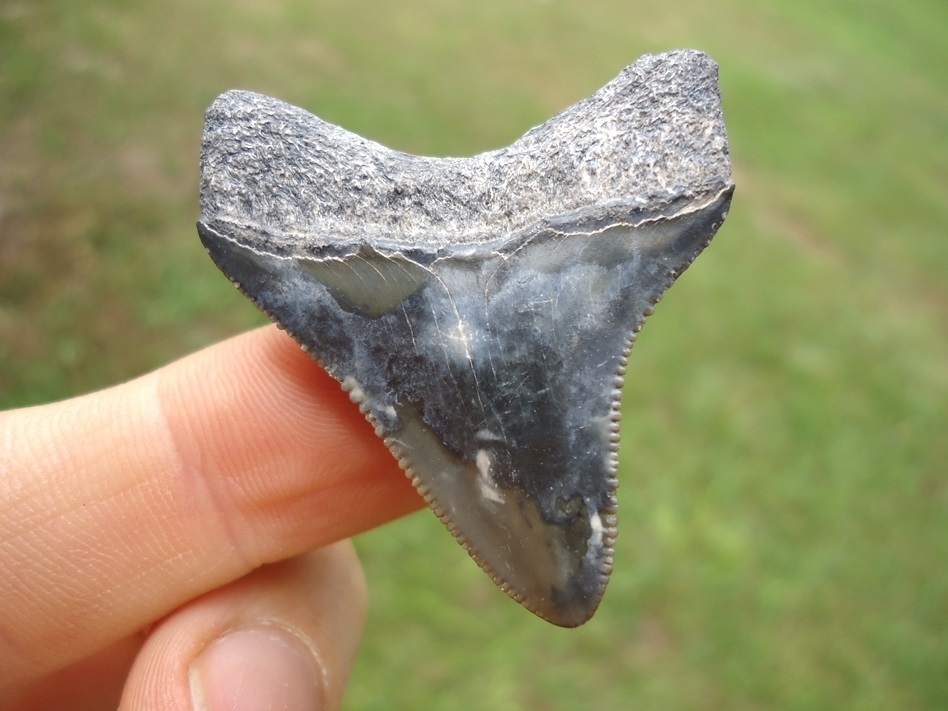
[284, 636]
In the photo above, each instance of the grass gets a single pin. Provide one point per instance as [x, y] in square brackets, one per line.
[784, 499]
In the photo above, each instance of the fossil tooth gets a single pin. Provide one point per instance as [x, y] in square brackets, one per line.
[480, 310]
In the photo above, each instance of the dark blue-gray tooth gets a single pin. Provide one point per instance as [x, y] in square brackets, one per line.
[480, 310]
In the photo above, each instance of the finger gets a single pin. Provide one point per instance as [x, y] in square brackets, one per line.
[91, 684]
[121, 505]
[285, 636]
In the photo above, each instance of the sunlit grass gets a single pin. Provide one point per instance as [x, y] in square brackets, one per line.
[784, 501]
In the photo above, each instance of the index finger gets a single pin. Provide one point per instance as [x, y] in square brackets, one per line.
[123, 504]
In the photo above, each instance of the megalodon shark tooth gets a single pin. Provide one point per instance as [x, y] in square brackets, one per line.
[480, 310]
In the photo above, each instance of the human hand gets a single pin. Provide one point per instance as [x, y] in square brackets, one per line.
[153, 536]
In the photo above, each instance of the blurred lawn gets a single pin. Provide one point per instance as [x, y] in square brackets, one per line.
[784, 499]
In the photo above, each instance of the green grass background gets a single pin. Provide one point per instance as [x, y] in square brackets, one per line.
[784, 480]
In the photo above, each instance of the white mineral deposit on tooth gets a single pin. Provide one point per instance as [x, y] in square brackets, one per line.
[480, 310]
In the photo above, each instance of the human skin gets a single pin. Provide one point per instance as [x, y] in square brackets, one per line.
[177, 541]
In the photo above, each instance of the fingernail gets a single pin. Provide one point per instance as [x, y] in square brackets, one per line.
[258, 668]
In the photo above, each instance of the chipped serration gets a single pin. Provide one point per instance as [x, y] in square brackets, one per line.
[480, 310]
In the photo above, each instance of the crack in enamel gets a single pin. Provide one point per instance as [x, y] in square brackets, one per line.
[484, 335]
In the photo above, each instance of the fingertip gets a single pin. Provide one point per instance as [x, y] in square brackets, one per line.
[289, 459]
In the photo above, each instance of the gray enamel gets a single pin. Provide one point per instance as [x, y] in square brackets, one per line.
[480, 310]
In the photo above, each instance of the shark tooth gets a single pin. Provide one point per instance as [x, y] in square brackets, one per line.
[480, 310]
